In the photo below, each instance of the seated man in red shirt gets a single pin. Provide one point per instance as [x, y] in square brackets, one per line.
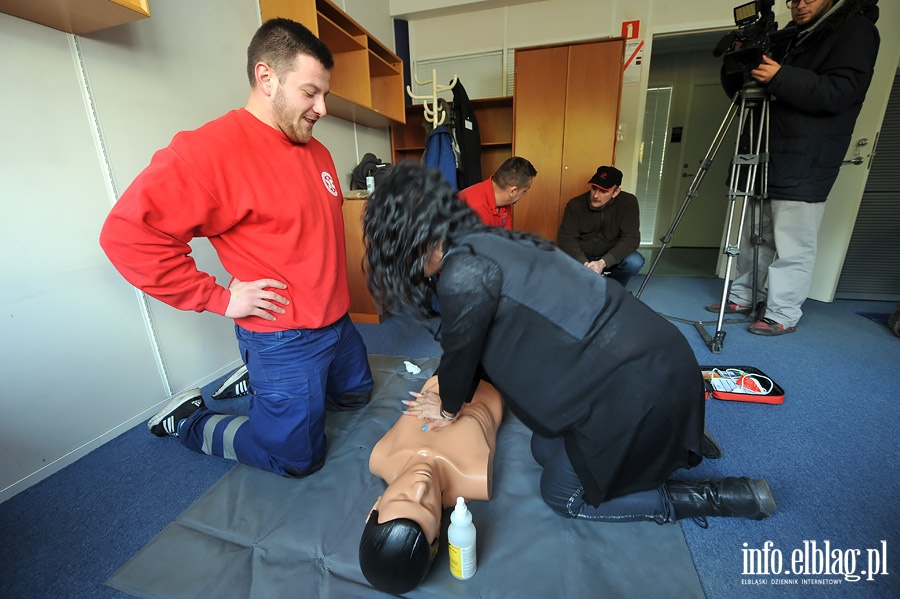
[491, 199]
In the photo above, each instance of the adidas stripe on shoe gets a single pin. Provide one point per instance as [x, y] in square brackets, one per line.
[182, 405]
[236, 385]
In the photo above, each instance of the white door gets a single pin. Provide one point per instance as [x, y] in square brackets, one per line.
[843, 202]
[704, 218]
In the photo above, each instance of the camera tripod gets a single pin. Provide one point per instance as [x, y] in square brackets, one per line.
[749, 168]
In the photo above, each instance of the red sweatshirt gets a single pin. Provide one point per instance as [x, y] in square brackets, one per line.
[270, 208]
[480, 198]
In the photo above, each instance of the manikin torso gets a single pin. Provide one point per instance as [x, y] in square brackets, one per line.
[427, 470]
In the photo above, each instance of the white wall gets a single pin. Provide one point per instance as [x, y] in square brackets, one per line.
[556, 21]
[79, 362]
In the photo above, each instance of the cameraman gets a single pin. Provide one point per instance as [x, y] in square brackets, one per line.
[821, 67]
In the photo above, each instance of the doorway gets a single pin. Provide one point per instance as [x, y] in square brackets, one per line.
[684, 63]
[702, 224]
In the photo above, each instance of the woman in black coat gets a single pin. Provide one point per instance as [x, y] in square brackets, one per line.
[611, 391]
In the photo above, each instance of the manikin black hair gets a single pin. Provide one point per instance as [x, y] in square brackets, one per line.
[395, 556]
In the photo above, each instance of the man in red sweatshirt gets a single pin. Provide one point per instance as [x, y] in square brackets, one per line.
[266, 195]
[492, 199]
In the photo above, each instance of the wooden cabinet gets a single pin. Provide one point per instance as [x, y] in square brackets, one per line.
[367, 81]
[495, 125]
[565, 114]
[362, 306]
[77, 16]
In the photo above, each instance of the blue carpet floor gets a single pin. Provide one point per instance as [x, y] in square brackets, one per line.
[879, 317]
[829, 452]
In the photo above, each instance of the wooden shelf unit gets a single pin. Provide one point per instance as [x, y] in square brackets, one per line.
[362, 306]
[77, 16]
[367, 81]
[495, 124]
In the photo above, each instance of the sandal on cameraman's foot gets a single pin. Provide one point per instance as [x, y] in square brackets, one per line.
[730, 308]
[769, 328]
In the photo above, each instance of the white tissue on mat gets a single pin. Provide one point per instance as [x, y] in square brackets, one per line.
[411, 368]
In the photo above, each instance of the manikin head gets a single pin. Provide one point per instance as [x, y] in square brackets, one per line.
[416, 495]
[401, 535]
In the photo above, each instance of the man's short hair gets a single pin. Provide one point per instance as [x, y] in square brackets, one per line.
[514, 172]
[278, 42]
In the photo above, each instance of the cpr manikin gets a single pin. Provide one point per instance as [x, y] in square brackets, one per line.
[426, 470]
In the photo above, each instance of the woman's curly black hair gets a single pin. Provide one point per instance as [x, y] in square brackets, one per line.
[412, 212]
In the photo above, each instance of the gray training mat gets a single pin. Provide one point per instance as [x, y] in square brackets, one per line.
[257, 535]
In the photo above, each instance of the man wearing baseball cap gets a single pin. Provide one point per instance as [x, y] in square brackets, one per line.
[601, 227]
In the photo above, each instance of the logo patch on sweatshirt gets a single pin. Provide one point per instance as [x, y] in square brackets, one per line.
[329, 183]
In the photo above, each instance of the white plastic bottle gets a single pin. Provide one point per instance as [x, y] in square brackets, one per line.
[461, 537]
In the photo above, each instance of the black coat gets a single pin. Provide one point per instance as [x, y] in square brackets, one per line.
[816, 97]
[468, 138]
[574, 356]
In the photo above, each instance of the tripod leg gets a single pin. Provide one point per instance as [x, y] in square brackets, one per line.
[757, 219]
[742, 176]
[750, 102]
[745, 173]
[751, 169]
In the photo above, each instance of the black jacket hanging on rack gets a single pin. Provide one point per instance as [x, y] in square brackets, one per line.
[468, 138]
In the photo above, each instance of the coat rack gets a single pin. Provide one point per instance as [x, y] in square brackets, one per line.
[431, 108]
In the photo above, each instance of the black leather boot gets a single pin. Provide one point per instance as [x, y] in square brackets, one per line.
[730, 497]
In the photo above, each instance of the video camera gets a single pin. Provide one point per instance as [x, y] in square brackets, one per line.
[745, 46]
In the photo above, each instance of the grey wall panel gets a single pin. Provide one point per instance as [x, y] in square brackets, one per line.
[75, 360]
[176, 70]
[373, 16]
